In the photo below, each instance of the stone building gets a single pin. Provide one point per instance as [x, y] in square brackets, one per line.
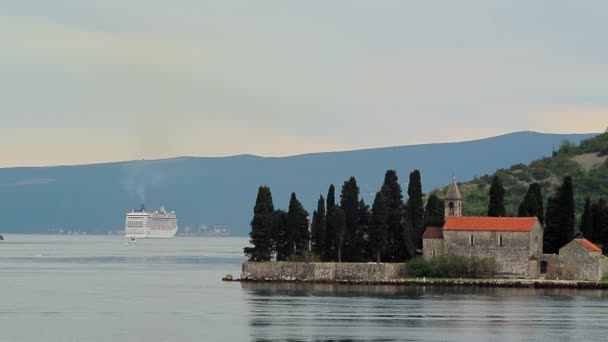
[580, 259]
[511, 241]
[515, 243]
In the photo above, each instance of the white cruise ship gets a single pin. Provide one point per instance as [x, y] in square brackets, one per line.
[150, 224]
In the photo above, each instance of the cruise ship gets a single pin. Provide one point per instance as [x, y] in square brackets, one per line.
[159, 224]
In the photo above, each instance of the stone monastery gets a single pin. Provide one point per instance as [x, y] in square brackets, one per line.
[515, 243]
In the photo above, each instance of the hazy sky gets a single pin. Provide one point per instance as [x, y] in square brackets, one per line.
[90, 81]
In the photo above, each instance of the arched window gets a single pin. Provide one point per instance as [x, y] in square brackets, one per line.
[471, 240]
[500, 241]
[451, 208]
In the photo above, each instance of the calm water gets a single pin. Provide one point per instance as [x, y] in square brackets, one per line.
[94, 288]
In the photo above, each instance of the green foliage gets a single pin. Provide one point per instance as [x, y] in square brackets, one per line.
[548, 173]
[349, 202]
[317, 228]
[307, 256]
[378, 228]
[330, 231]
[496, 207]
[337, 220]
[559, 228]
[416, 209]
[452, 266]
[297, 222]
[586, 226]
[283, 237]
[261, 227]
[393, 196]
[434, 212]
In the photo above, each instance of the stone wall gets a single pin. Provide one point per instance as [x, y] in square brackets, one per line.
[574, 262]
[322, 271]
[432, 248]
[511, 257]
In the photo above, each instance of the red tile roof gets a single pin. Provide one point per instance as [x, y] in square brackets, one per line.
[589, 245]
[433, 233]
[506, 224]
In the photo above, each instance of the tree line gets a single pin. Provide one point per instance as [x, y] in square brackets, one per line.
[558, 219]
[346, 230]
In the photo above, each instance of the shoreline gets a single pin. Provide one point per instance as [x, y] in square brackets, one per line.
[481, 283]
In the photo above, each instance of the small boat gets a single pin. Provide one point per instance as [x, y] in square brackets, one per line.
[132, 241]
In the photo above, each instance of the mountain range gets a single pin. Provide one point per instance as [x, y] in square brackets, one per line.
[221, 190]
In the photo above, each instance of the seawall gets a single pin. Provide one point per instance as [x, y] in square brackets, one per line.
[322, 271]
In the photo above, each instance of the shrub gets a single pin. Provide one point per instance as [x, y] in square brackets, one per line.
[305, 257]
[452, 266]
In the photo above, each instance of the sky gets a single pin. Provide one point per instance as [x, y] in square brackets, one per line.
[86, 81]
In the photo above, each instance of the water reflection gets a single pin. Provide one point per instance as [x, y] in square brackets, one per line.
[330, 312]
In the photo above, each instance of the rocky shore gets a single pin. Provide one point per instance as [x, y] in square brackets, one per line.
[487, 283]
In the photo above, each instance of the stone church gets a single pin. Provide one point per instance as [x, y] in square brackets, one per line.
[515, 243]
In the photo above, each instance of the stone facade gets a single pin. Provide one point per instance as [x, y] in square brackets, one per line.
[432, 242]
[510, 250]
[323, 271]
[576, 261]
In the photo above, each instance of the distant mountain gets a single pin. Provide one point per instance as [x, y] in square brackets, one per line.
[95, 198]
[587, 163]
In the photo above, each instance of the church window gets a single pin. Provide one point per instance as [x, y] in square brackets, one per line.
[451, 208]
[500, 240]
[471, 240]
[433, 252]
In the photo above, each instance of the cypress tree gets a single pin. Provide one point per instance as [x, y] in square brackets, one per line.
[496, 207]
[330, 231]
[531, 205]
[550, 237]
[539, 212]
[434, 212]
[364, 223]
[416, 209]
[559, 227]
[566, 211]
[409, 232]
[601, 223]
[378, 228]
[393, 196]
[297, 221]
[261, 227]
[283, 242]
[349, 202]
[522, 211]
[317, 228]
[586, 226]
[337, 219]
[596, 215]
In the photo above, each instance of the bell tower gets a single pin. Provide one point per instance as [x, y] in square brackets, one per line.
[453, 200]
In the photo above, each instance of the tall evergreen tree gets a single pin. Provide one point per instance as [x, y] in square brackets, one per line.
[522, 211]
[261, 227]
[393, 196]
[416, 209]
[550, 236]
[349, 202]
[586, 226]
[601, 223]
[284, 245]
[596, 214]
[496, 207]
[378, 228]
[559, 227]
[337, 219]
[409, 232]
[531, 205]
[297, 220]
[434, 213]
[365, 218]
[330, 230]
[534, 192]
[317, 228]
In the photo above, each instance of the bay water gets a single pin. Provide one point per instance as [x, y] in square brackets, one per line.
[99, 288]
